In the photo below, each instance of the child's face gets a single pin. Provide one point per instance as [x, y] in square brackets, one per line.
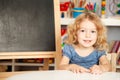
[87, 35]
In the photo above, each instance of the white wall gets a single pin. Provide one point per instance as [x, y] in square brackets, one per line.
[113, 33]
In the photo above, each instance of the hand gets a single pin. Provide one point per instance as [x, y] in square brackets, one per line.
[77, 69]
[96, 69]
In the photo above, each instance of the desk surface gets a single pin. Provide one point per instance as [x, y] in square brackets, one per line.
[64, 75]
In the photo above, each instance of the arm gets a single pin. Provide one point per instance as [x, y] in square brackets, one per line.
[64, 65]
[104, 66]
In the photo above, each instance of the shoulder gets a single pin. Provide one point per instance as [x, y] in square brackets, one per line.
[68, 50]
[100, 53]
[68, 46]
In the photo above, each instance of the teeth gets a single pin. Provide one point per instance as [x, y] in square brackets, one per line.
[87, 41]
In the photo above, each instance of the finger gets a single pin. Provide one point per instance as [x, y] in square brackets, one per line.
[74, 71]
[97, 72]
[77, 70]
[87, 70]
[82, 71]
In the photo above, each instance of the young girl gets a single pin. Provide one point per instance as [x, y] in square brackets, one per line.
[86, 46]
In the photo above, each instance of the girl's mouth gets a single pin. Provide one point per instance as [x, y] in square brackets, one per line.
[87, 41]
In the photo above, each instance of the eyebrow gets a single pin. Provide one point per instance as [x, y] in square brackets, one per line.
[85, 28]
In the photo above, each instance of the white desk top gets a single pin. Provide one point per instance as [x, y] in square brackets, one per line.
[64, 75]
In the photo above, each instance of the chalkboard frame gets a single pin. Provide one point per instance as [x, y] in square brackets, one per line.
[42, 54]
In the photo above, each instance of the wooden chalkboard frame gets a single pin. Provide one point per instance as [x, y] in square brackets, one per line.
[42, 54]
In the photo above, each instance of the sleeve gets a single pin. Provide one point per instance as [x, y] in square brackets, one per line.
[101, 53]
[67, 51]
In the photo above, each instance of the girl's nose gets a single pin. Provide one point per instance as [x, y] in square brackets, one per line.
[87, 34]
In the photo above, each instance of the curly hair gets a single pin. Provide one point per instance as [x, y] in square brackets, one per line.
[101, 42]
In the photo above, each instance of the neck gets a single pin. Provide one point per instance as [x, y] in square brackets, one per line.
[84, 51]
[85, 48]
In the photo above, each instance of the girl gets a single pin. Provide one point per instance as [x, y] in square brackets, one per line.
[86, 46]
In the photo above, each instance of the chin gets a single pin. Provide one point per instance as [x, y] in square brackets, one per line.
[87, 46]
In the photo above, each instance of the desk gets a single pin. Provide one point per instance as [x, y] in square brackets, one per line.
[64, 75]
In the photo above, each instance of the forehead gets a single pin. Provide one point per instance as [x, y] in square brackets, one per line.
[87, 24]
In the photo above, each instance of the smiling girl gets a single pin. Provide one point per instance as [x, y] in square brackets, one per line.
[86, 46]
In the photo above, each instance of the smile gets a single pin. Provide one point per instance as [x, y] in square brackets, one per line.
[87, 41]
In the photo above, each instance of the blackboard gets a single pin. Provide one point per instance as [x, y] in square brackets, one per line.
[27, 25]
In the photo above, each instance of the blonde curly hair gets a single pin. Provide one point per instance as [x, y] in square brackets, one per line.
[101, 43]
